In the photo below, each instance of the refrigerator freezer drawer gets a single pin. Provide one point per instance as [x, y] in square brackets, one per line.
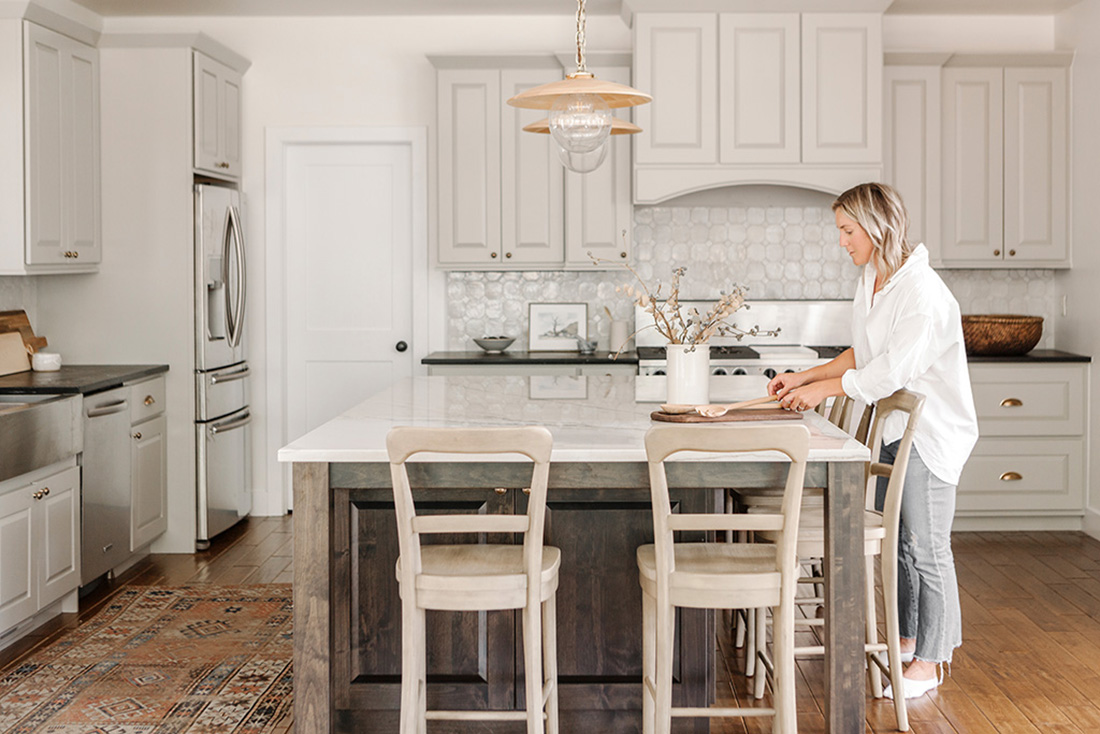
[222, 391]
[225, 472]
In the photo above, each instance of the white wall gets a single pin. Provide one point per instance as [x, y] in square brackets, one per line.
[1079, 329]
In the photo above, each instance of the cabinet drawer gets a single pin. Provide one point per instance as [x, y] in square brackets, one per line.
[1029, 400]
[146, 399]
[1023, 474]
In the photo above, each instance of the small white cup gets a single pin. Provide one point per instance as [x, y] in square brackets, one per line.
[620, 335]
[45, 362]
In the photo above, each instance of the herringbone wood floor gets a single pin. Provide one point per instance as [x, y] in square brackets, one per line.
[1030, 661]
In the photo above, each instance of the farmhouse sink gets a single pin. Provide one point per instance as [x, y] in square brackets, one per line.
[38, 430]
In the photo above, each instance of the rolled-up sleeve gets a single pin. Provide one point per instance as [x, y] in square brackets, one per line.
[909, 352]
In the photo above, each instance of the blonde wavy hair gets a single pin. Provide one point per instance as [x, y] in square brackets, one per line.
[878, 208]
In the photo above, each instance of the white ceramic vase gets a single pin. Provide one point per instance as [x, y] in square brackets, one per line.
[688, 374]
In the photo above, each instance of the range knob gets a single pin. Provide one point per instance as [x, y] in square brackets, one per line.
[719, 371]
[658, 372]
[740, 371]
[788, 371]
[769, 373]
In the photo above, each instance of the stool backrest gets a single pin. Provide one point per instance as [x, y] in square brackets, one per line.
[903, 401]
[662, 442]
[496, 444]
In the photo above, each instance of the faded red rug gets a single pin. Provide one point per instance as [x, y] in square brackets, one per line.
[161, 660]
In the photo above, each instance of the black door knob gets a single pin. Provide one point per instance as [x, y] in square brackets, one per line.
[401, 346]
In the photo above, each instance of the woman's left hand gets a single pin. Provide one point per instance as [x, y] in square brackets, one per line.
[805, 397]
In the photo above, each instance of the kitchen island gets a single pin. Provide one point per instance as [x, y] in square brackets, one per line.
[347, 610]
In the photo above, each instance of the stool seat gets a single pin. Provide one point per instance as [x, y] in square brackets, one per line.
[494, 574]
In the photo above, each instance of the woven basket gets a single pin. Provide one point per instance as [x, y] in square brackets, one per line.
[1001, 335]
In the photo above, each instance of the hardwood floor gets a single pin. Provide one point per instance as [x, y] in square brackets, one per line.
[1030, 660]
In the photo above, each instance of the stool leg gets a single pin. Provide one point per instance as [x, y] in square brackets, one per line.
[532, 665]
[783, 661]
[412, 660]
[649, 659]
[550, 661]
[662, 714]
[872, 626]
[760, 635]
[750, 643]
[422, 671]
[893, 632]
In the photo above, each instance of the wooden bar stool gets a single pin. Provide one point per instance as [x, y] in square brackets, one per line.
[718, 575]
[478, 576]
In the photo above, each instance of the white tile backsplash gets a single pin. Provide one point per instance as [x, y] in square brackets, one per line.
[19, 292]
[777, 252]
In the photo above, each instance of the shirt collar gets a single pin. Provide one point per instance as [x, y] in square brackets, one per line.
[918, 257]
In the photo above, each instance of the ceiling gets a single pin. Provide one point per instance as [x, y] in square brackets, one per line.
[502, 7]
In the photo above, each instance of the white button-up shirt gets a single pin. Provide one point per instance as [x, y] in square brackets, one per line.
[909, 335]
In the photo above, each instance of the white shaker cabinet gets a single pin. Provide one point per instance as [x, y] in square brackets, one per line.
[217, 123]
[148, 463]
[40, 541]
[50, 162]
[1005, 163]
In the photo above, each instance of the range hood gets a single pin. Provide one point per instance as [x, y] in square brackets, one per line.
[653, 185]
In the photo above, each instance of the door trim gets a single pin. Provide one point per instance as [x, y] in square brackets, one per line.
[427, 296]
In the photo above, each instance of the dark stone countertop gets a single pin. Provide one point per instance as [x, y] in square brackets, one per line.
[1035, 356]
[517, 357]
[77, 378]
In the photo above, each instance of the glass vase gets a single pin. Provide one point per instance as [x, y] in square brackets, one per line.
[688, 374]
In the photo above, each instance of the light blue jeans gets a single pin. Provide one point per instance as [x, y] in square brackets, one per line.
[928, 591]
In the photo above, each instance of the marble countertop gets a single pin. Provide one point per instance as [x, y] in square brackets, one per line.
[77, 378]
[506, 357]
[598, 418]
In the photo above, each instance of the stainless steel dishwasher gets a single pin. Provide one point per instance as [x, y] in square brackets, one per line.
[105, 524]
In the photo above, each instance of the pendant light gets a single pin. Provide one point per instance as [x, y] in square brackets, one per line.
[580, 107]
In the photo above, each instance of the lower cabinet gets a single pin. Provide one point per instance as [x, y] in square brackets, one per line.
[475, 659]
[148, 481]
[40, 544]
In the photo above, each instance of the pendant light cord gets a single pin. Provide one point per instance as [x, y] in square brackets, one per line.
[580, 37]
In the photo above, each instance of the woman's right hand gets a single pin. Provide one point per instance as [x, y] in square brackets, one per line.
[783, 383]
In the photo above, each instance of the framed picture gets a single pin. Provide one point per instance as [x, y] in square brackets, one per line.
[554, 327]
[558, 387]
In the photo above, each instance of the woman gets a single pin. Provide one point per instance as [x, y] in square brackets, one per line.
[906, 333]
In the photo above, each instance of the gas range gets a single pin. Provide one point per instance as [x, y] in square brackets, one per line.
[756, 360]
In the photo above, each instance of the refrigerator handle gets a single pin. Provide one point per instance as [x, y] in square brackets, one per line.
[238, 312]
[217, 379]
[217, 428]
[227, 237]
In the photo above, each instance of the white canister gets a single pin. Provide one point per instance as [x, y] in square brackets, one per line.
[620, 335]
[45, 362]
[688, 374]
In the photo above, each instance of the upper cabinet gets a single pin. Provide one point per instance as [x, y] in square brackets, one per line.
[217, 126]
[1005, 162]
[49, 152]
[781, 98]
[505, 200]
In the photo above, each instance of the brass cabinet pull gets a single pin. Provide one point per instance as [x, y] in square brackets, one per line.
[996, 253]
[45, 491]
[527, 490]
[492, 255]
[137, 435]
[508, 255]
[1012, 253]
[1011, 403]
[1011, 476]
[37, 495]
[622, 255]
[149, 400]
[501, 490]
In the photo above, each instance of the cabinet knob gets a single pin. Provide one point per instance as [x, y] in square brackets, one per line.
[137, 435]
[149, 400]
[527, 490]
[1011, 476]
[76, 254]
[221, 164]
[996, 253]
[508, 255]
[1011, 403]
[1012, 253]
[622, 255]
[37, 495]
[492, 255]
[501, 490]
[45, 491]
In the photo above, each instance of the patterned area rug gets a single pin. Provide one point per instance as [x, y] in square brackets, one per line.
[163, 660]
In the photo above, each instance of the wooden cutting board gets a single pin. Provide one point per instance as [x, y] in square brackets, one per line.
[747, 414]
[13, 354]
[17, 321]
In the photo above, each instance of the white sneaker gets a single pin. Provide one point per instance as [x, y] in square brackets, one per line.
[914, 688]
[906, 657]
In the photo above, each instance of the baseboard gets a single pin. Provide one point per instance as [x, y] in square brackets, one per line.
[267, 504]
[1022, 523]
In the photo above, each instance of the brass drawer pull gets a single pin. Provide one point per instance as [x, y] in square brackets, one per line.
[527, 490]
[1011, 403]
[1011, 476]
[149, 400]
[501, 490]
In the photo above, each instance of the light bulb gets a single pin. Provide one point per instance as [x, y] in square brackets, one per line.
[580, 123]
[583, 162]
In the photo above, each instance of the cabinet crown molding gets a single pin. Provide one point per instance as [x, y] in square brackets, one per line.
[62, 16]
[630, 7]
[197, 41]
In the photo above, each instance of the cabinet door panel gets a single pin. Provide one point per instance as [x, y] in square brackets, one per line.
[469, 166]
[911, 161]
[676, 60]
[470, 654]
[59, 544]
[531, 182]
[206, 123]
[18, 599]
[973, 184]
[148, 482]
[83, 191]
[231, 122]
[1035, 196]
[47, 146]
[759, 94]
[598, 204]
[1023, 474]
[841, 88]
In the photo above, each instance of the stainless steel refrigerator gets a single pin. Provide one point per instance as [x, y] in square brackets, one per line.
[222, 431]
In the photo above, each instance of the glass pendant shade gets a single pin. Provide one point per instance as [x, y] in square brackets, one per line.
[580, 123]
[582, 162]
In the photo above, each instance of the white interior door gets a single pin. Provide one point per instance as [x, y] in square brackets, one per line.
[349, 277]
